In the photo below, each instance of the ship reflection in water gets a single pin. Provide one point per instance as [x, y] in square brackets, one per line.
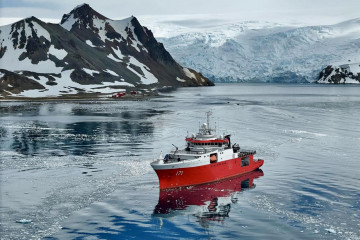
[207, 202]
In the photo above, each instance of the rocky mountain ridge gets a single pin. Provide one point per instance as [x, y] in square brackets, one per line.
[342, 74]
[86, 53]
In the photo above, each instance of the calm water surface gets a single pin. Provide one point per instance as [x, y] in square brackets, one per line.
[80, 170]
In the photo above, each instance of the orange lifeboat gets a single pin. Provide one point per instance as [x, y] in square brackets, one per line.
[213, 158]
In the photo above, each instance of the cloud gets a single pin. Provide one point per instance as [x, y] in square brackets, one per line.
[331, 11]
[29, 4]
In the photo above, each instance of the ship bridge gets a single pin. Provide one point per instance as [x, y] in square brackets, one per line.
[206, 138]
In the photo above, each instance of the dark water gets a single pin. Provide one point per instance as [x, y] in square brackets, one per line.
[80, 170]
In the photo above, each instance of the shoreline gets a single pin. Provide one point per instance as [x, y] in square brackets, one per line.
[83, 97]
[141, 95]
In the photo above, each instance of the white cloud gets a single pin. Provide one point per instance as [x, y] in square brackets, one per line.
[314, 12]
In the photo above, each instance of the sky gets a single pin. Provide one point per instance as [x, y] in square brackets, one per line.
[307, 12]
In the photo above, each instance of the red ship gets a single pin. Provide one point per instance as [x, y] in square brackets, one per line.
[206, 158]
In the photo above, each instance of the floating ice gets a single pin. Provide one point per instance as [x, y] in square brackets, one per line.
[24, 221]
[330, 230]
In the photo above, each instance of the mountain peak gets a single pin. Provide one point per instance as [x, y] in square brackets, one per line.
[86, 53]
[84, 5]
[82, 14]
[31, 18]
[28, 19]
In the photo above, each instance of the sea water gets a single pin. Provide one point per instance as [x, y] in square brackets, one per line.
[81, 169]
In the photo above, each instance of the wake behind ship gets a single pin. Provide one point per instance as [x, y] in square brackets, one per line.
[206, 158]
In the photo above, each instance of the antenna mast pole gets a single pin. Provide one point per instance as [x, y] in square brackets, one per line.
[208, 114]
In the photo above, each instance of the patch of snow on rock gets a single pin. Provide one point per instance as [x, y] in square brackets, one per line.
[118, 53]
[148, 77]
[188, 73]
[89, 71]
[40, 31]
[66, 86]
[69, 22]
[88, 42]
[180, 80]
[59, 53]
[111, 72]
[120, 26]
[42, 80]
[113, 58]
[10, 61]
[100, 25]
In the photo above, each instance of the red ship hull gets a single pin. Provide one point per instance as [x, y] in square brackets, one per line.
[181, 177]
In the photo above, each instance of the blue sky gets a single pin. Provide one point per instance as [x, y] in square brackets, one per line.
[309, 11]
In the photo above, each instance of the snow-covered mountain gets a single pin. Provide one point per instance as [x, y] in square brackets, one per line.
[258, 51]
[85, 53]
[345, 73]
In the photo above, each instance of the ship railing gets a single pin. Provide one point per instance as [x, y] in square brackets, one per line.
[192, 152]
[173, 159]
[244, 153]
[182, 155]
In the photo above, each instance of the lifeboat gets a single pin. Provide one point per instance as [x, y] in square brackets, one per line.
[206, 158]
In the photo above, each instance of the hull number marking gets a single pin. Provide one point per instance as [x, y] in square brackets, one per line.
[179, 173]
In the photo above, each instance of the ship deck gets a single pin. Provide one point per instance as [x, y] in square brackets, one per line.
[184, 155]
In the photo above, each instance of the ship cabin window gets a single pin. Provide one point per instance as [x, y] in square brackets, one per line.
[245, 161]
[208, 144]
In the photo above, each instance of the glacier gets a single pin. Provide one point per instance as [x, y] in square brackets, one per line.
[257, 51]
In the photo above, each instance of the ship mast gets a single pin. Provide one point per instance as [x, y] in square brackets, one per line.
[208, 114]
[205, 129]
[208, 128]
